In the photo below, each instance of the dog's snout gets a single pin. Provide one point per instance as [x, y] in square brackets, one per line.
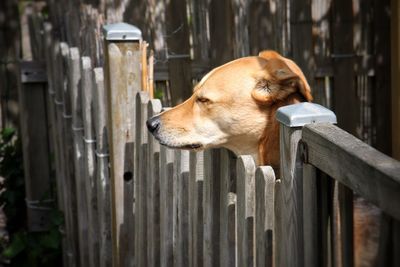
[153, 124]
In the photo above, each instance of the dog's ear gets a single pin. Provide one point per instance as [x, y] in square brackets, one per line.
[279, 78]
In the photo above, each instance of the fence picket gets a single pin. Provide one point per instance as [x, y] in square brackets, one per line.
[227, 236]
[153, 192]
[89, 158]
[196, 183]
[77, 135]
[141, 136]
[166, 206]
[245, 210]
[264, 215]
[102, 170]
[211, 207]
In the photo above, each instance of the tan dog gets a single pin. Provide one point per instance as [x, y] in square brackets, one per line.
[234, 107]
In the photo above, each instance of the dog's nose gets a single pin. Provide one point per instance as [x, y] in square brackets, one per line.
[153, 124]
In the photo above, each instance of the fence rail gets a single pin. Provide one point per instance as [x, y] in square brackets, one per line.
[129, 202]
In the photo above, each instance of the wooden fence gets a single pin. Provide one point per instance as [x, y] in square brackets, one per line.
[129, 202]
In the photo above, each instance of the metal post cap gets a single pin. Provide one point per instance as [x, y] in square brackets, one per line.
[300, 114]
[121, 32]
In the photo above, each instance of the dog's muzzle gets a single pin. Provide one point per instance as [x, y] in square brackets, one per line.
[153, 124]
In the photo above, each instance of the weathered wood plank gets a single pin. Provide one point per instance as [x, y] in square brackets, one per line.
[245, 170]
[264, 215]
[226, 221]
[196, 209]
[180, 212]
[221, 34]
[178, 53]
[211, 207]
[381, 94]
[153, 192]
[141, 154]
[346, 108]
[360, 167]
[89, 158]
[68, 161]
[122, 81]
[395, 79]
[102, 169]
[302, 37]
[166, 206]
[78, 150]
[312, 250]
[290, 247]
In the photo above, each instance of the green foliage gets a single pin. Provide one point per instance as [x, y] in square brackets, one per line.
[159, 93]
[24, 248]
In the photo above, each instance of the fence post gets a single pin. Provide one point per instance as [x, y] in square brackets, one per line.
[289, 210]
[121, 48]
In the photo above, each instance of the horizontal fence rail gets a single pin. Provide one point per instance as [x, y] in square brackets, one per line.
[130, 202]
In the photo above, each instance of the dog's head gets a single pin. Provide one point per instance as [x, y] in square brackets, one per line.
[233, 106]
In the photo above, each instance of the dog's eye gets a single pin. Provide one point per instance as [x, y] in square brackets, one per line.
[202, 100]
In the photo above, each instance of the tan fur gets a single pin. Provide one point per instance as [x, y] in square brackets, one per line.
[234, 106]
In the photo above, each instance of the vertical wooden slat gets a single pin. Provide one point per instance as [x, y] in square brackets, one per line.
[264, 215]
[166, 207]
[142, 99]
[245, 211]
[221, 31]
[346, 108]
[178, 52]
[196, 209]
[211, 207]
[302, 37]
[382, 91]
[102, 170]
[122, 75]
[153, 192]
[78, 150]
[289, 252]
[68, 161]
[89, 158]
[180, 212]
[312, 250]
[395, 76]
[226, 221]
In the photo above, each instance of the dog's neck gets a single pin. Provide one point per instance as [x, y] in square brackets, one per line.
[268, 145]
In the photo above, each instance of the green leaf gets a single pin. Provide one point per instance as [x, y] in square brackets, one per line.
[57, 217]
[7, 133]
[17, 245]
[51, 240]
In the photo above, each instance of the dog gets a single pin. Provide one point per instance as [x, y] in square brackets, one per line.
[234, 107]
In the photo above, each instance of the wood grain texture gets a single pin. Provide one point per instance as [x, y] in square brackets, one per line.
[312, 250]
[78, 150]
[153, 192]
[245, 190]
[141, 175]
[122, 81]
[373, 175]
[211, 211]
[264, 215]
[89, 158]
[178, 53]
[68, 161]
[102, 169]
[166, 206]
[227, 245]
[196, 209]
[289, 248]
